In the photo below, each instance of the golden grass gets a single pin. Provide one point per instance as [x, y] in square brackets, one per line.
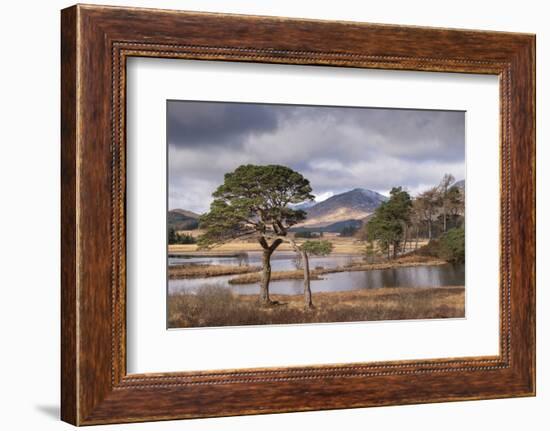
[340, 246]
[203, 271]
[295, 274]
[219, 306]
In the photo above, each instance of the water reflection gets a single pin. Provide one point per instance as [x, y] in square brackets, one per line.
[280, 261]
[418, 276]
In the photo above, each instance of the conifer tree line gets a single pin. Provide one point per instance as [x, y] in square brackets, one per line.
[402, 221]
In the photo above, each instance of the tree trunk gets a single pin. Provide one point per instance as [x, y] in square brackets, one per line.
[405, 238]
[444, 218]
[266, 268]
[429, 229]
[308, 303]
[266, 277]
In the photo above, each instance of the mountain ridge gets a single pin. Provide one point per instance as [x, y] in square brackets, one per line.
[354, 204]
[186, 213]
[180, 219]
[334, 213]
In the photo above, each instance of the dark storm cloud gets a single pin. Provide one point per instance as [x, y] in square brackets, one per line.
[198, 123]
[336, 148]
[415, 134]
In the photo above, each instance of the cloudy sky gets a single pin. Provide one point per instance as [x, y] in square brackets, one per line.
[336, 148]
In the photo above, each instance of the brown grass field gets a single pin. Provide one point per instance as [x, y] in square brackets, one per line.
[219, 306]
[342, 245]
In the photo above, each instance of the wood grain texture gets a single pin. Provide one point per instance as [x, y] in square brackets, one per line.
[69, 367]
[96, 41]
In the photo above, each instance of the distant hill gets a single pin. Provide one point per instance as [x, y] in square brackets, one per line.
[179, 219]
[185, 213]
[336, 227]
[304, 205]
[355, 204]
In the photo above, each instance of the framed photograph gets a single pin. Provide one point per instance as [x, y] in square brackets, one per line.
[243, 255]
[267, 215]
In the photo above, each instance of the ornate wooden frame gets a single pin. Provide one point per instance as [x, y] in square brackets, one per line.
[95, 42]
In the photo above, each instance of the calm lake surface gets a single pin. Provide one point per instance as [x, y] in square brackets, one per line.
[418, 276]
[280, 261]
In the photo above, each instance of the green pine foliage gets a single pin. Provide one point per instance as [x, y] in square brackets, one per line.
[177, 238]
[452, 246]
[389, 221]
[307, 234]
[255, 199]
[317, 247]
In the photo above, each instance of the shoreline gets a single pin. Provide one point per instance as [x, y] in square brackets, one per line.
[298, 274]
[179, 272]
[236, 253]
[251, 274]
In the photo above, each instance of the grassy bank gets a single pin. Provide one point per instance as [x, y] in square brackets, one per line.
[341, 245]
[219, 306]
[406, 261]
[204, 271]
[295, 274]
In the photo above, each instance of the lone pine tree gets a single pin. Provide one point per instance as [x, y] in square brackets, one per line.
[254, 201]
